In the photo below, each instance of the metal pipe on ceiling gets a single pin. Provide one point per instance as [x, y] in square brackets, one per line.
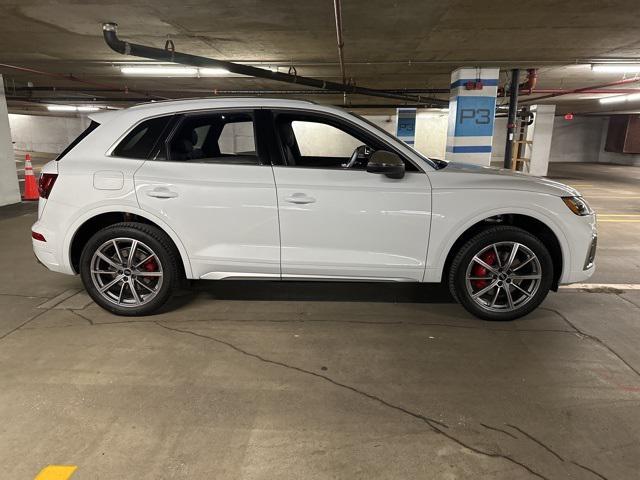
[511, 120]
[41, 102]
[243, 91]
[337, 9]
[109, 31]
[530, 83]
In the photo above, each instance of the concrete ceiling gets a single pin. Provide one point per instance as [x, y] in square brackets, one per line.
[388, 44]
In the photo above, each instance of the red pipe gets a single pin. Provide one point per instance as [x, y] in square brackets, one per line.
[532, 79]
[585, 89]
[603, 91]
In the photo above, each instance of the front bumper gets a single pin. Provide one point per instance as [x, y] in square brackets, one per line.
[583, 241]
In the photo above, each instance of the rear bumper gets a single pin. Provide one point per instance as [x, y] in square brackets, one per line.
[47, 252]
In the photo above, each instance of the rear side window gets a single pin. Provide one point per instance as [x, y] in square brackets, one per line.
[92, 126]
[139, 143]
[220, 137]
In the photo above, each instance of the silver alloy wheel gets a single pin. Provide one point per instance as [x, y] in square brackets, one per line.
[126, 272]
[503, 276]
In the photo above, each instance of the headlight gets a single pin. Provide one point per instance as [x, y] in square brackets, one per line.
[577, 205]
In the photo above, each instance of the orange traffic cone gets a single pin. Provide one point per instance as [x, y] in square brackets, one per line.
[30, 187]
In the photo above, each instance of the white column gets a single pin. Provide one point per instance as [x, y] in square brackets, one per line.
[431, 132]
[541, 133]
[472, 106]
[9, 190]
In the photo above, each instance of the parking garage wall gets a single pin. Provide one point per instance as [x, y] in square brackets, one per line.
[45, 134]
[576, 140]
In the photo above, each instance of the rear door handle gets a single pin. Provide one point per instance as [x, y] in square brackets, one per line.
[300, 198]
[162, 192]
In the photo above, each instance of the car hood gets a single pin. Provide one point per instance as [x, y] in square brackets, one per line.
[469, 176]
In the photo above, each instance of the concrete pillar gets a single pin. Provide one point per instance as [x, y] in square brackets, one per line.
[9, 189]
[472, 106]
[541, 133]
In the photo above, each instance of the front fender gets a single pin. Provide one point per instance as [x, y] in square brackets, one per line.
[451, 220]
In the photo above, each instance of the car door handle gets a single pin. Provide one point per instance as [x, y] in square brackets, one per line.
[162, 192]
[300, 198]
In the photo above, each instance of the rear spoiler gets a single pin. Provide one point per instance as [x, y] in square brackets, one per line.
[103, 117]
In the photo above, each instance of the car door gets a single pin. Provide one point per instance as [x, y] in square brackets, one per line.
[210, 182]
[339, 222]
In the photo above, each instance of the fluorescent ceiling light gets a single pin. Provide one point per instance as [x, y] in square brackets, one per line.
[205, 72]
[171, 71]
[614, 99]
[621, 98]
[72, 108]
[616, 67]
[61, 108]
[160, 70]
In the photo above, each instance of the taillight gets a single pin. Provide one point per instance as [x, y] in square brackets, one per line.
[45, 183]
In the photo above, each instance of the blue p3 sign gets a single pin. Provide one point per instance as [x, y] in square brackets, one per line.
[474, 116]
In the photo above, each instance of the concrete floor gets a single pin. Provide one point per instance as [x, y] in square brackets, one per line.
[277, 380]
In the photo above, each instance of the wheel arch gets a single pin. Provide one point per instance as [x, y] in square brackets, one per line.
[551, 238]
[94, 221]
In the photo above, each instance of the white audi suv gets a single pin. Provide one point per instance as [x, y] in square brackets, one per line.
[269, 189]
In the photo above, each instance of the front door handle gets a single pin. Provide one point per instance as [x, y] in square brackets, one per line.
[300, 198]
[162, 192]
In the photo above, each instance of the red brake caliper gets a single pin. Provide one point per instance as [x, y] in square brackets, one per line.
[150, 265]
[479, 271]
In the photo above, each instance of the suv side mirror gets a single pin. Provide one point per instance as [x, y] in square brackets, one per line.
[382, 161]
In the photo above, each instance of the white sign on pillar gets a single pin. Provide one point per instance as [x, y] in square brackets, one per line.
[540, 133]
[9, 190]
[472, 106]
[406, 125]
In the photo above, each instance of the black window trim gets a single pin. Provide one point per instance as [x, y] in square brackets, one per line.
[338, 119]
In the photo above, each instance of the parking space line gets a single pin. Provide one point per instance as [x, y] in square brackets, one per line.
[600, 286]
[56, 472]
[606, 220]
[627, 197]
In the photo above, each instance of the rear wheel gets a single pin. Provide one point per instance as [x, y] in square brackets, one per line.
[502, 273]
[129, 268]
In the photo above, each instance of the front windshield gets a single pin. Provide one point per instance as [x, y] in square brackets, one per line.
[435, 163]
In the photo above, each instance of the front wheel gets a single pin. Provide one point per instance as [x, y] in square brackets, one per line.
[502, 273]
[129, 268]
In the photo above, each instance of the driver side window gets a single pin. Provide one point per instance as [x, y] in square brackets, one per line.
[311, 142]
[322, 140]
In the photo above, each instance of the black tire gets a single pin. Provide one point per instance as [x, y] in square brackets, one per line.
[167, 262]
[457, 273]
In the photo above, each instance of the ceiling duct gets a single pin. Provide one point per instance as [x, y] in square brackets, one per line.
[110, 30]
